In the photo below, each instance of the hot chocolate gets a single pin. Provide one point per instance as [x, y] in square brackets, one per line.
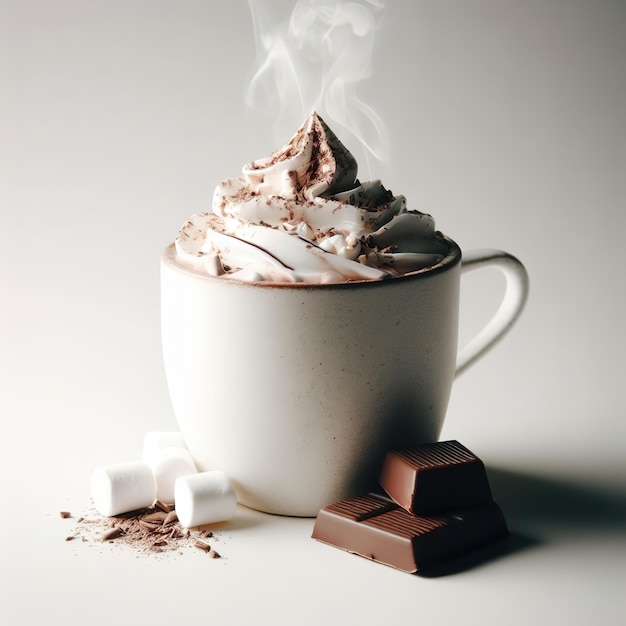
[302, 215]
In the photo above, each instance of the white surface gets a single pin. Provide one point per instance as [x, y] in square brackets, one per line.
[505, 120]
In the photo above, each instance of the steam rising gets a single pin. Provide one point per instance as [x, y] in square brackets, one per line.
[312, 55]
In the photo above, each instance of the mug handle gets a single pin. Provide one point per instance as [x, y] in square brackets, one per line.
[515, 296]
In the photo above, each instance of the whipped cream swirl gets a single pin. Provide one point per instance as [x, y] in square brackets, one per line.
[301, 215]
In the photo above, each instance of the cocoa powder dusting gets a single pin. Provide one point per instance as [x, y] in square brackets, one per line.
[155, 530]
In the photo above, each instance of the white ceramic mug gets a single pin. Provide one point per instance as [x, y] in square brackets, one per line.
[297, 391]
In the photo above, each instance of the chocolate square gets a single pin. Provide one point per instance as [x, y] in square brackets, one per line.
[435, 477]
[378, 529]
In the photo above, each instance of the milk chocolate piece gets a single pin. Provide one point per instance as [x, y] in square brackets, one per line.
[435, 477]
[378, 529]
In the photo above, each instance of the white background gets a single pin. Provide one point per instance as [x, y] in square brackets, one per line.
[506, 121]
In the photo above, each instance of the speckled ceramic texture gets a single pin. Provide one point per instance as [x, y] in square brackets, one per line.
[296, 392]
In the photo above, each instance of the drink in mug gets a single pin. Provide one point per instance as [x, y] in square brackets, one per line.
[310, 324]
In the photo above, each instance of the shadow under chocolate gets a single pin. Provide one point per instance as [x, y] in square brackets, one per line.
[541, 510]
[557, 504]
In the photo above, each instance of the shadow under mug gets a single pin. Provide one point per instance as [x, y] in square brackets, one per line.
[296, 391]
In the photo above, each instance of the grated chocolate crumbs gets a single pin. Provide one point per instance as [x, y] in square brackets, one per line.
[148, 531]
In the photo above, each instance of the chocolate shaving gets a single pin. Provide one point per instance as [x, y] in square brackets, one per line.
[161, 506]
[148, 531]
[176, 533]
[202, 546]
[170, 518]
[157, 518]
[113, 533]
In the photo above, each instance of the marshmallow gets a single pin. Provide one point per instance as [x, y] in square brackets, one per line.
[123, 487]
[213, 265]
[154, 442]
[204, 498]
[349, 247]
[169, 464]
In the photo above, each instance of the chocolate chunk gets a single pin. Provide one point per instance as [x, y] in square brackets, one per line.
[378, 529]
[435, 477]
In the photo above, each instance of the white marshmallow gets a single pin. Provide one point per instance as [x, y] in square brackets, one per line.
[213, 264]
[204, 498]
[154, 442]
[169, 464]
[346, 246]
[123, 487]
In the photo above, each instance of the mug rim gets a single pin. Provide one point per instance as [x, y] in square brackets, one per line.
[450, 260]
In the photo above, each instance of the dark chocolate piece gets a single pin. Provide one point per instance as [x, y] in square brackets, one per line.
[378, 529]
[435, 477]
